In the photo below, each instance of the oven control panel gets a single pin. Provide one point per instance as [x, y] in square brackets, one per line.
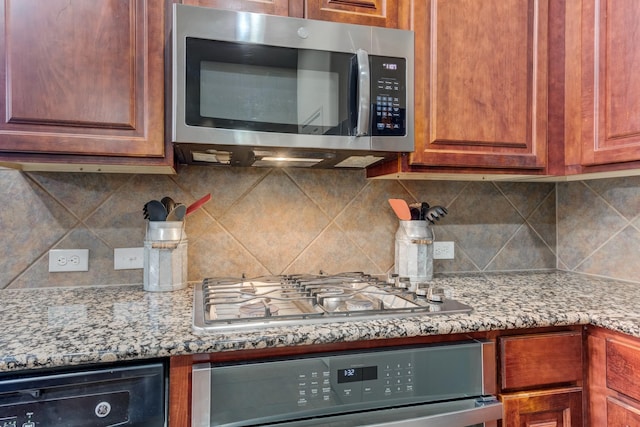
[332, 383]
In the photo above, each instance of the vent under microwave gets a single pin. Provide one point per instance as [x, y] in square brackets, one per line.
[219, 156]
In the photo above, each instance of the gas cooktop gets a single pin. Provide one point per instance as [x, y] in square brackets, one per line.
[226, 304]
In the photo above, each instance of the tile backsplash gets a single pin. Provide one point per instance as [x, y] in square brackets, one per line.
[272, 221]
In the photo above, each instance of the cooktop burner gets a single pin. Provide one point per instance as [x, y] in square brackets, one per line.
[223, 304]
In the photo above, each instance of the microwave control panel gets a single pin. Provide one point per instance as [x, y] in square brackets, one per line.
[388, 96]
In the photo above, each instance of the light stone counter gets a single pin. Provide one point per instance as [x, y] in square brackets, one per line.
[51, 327]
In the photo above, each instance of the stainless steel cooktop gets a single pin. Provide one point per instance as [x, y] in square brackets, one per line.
[226, 304]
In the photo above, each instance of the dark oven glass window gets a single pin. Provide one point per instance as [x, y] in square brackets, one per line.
[270, 89]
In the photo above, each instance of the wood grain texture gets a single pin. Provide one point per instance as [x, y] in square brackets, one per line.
[610, 81]
[548, 408]
[541, 360]
[269, 7]
[481, 83]
[612, 380]
[623, 368]
[620, 414]
[596, 380]
[380, 13]
[89, 81]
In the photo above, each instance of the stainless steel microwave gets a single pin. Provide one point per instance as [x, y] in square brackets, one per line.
[259, 90]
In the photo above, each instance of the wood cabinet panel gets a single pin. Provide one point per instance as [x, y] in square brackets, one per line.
[610, 81]
[613, 374]
[82, 78]
[529, 361]
[481, 83]
[551, 408]
[269, 7]
[620, 414]
[380, 13]
[623, 368]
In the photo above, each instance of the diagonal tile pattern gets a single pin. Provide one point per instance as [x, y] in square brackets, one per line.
[272, 221]
[599, 227]
[275, 221]
[482, 221]
[585, 223]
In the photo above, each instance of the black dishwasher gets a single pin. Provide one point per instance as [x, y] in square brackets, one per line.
[129, 395]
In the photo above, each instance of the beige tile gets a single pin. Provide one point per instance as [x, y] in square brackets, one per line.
[217, 254]
[584, 222]
[435, 192]
[543, 220]
[332, 252]
[100, 272]
[526, 196]
[119, 221]
[31, 222]
[621, 193]
[275, 221]
[461, 262]
[482, 221]
[525, 251]
[370, 223]
[226, 185]
[617, 258]
[331, 190]
[81, 193]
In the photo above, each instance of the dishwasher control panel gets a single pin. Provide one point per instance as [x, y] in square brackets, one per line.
[96, 397]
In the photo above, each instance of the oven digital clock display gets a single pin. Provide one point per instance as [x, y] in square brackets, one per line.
[350, 375]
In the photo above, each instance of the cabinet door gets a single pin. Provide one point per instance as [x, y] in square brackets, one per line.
[82, 77]
[481, 83]
[610, 81]
[269, 7]
[552, 408]
[381, 13]
[620, 414]
[540, 360]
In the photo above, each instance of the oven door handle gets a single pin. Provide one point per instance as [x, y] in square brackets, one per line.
[487, 411]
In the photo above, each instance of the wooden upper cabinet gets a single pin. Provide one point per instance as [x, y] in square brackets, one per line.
[380, 13]
[610, 35]
[82, 78]
[269, 7]
[481, 83]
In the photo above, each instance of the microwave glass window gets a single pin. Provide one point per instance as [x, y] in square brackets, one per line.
[270, 89]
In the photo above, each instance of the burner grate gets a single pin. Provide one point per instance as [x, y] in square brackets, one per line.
[227, 303]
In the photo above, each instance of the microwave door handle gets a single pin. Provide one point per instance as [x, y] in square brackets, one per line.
[364, 92]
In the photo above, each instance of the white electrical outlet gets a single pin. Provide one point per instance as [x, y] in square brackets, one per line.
[443, 250]
[128, 258]
[68, 260]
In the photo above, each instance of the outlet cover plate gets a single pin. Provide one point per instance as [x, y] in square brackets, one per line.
[128, 258]
[62, 260]
[443, 250]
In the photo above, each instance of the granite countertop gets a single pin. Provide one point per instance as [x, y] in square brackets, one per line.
[51, 327]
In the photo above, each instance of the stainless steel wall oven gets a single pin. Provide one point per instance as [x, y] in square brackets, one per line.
[440, 385]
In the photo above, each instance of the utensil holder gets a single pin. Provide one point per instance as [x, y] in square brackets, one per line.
[165, 256]
[414, 252]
